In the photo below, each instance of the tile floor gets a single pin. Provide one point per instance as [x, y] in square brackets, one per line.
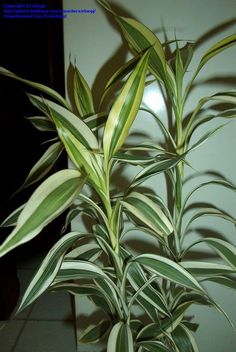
[46, 326]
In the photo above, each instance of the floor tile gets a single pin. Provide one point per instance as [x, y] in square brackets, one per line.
[9, 332]
[39, 336]
[53, 306]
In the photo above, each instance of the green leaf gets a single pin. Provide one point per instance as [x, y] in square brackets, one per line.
[95, 333]
[44, 164]
[94, 122]
[118, 75]
[169, 270]
[120, 339]
[124, 110]
[11, 220]
[226, 250]
[223, 281]
[42, 123]
[82, 95]
[205, 137]
[200, 268]
[49, 200]
[154, 346]
[141, 38]
[184, 340]
[167, 325]
[148, 213]
[216, 49]
[38, 86]
[48, 269]
[137, 279]
[154, 169]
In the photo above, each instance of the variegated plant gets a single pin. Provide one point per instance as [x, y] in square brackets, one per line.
[163, 285]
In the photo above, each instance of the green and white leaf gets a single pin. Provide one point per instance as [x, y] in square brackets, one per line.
[184, 339]
[48, 269]
[124, 110]
[169, 270]
[42, 123]
[44, 164]
[38, 86]
[49, 200]
[120, 339]
[82, 95]
[11, 220]
[199, 268]
[95, 333]
[148, 213]
[154, 346]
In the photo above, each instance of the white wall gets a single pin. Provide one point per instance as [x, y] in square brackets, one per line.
[93, 40]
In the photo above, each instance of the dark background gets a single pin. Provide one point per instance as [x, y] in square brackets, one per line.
[32, 49]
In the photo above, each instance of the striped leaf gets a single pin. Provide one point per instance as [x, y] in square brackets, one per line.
[118, 76]
[70, 121]
[11, 220]
[78, 269]
[42, 123]
[138, 280]
[154, 346]
[94, 122]
[184, 339]
[199, 268]
[124, 110]
[88, 251]
[147, 213]
[120, 339]
[209, 212]
[82, 95]
[169, 270]
[223, 281]
[38, 86]
[155, 331]
[79, 141]
[49, 200]
[140, 38]
[216, 49]
[226, 250]
[95, 333]
[154, 169]
[44, 164]
[48, 269]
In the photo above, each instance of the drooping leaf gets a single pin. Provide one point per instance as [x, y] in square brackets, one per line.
[154, 346]
[44, 164]
[169, 270]
[184, 339]
[49, 200]
[138, 280]
[148, 213]
[38, 86]
[216, 49]
[154, 169]
[11, 220]
[124, 110]
[48, 269]
[95, 333]
[42, 123]
[120, 339]
[200, 268]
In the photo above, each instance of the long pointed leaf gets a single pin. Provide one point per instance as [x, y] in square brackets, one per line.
[120, 339]
[169, 270]
[49, 200]
[124, 110]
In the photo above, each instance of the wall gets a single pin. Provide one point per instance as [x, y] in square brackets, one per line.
[97, 46]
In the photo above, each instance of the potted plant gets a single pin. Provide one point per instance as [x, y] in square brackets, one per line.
[99, 263]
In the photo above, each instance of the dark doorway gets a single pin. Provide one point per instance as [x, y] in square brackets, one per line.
[33, 49]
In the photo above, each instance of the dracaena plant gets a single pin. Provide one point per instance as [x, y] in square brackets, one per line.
[99, 264]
